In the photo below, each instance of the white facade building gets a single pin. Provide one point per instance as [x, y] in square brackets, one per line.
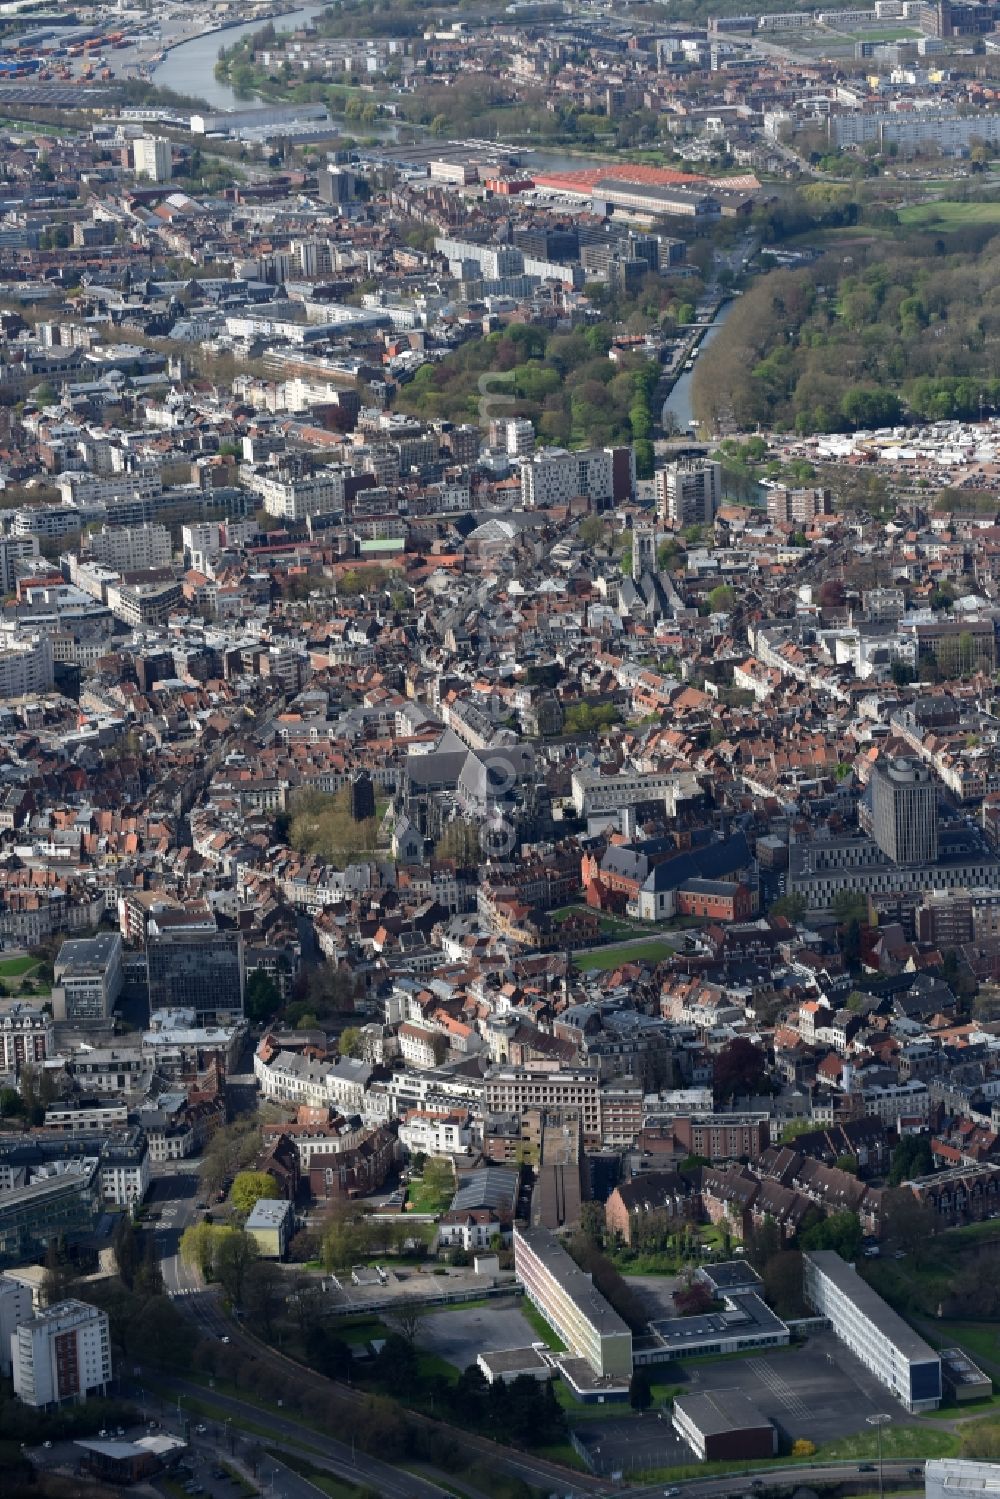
[292, 498]
[151, 157]
[14, 549]
[553, 476]
[128, 549]
[16, 1306]
[25, 665]
[62, 1353]
[955, 1478]
[27, 1034]
[878, 1336]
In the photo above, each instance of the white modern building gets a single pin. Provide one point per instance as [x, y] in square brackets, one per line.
[16, 1306]
[878, 1336]
[552, 476]
[25, 664]
[294, 498]
[571, 1303]
[14, 549]
[60, 1354]
[151, 157]
[689, 492]
[128, 549]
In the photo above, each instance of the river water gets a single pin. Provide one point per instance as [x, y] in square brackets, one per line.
[190, 67]
[678, 402]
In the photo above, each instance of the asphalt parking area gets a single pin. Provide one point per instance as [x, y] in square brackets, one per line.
[632, 1444]
[459, 1336]
[819, 1391]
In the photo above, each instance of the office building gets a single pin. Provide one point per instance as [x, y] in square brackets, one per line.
[571, 1304]
[517, 436]
[195, 967]
[963, 1380]
[958, 1478]
[723, 1137]
[88, 977]
[904, 811]
[574, 1091]
[688, 493]
[151, 157]
[271, 1224]
[61, 1354]
[56, 1202]
[907, 1366]
[27, 1035]
[16, 1306]
[723, 1424]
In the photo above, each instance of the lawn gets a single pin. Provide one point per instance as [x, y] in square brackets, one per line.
[547, 1334]
[650, 950]
[561, 1452]
[15, 968]
[944, 215]
[609, 926]
[897, 1442]
[428, 1198]
[359, 1331]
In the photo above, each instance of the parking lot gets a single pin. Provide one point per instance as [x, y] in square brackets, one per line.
[461, 1335]
[819, 1391]
[629, 1444]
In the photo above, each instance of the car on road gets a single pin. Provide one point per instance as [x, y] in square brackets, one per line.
[670, 1493]
[866, 1467]
[201, 1430]
[224, 1338]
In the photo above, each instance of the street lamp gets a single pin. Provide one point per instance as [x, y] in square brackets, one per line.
[880, 1419]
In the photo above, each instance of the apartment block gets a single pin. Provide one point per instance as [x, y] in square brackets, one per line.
[27, 1035]
[61, 1354]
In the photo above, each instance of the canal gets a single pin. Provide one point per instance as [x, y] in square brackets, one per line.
[678, 403]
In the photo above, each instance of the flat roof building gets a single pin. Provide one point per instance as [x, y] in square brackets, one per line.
[88, 977]
[953, 1478]
[270, 1223]
[963, 1380]
[723, 1424]
[744, 1322]
[571, 1303]
[63, 1353]
[874, 1333]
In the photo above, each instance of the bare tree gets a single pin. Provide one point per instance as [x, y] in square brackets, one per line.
[405, 1318]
